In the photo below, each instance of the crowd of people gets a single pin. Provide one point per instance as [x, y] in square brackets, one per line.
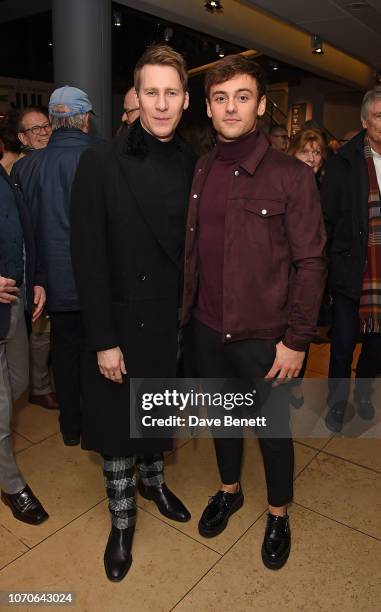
[113, 247]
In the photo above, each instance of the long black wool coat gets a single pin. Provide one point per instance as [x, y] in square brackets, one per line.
[128, 280]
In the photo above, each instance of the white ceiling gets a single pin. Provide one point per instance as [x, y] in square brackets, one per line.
[354, 27]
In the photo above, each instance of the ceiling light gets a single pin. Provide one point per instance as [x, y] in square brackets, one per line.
[214, 6]
[220, 50]
[168, 33]
[117, 19]
[274, 65]
[317, 44]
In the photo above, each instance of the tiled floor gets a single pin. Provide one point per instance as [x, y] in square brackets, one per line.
[336, 523]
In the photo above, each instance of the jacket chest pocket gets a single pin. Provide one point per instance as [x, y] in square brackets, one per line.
[264, 220]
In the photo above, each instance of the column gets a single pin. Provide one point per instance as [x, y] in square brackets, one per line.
[82, 53]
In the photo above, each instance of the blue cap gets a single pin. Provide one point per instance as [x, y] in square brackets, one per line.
[72, 97]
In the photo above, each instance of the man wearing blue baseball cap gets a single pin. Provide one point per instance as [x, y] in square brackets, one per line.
[46, 183]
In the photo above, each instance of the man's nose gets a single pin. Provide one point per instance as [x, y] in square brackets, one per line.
[231, 106]
[161, 101]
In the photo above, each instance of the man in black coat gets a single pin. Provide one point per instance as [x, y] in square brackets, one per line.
[351, 206]
[129, 202]
[21, 287]
[46, 179]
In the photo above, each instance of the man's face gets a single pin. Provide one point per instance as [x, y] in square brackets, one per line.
[130, 108]
[233, 107]
[373, 123]
[36, 131]
[279, 139]
[161, 100]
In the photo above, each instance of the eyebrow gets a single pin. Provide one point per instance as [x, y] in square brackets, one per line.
[237, 91]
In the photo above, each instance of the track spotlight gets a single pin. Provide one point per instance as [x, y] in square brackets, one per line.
[220, 50]
[317, 44]
[117, 19]
[168, 33]
[274, 65]
[214, 6]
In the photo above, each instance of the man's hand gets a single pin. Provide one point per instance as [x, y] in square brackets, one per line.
[111, 364]
[39, 302]
[8, 290]
[287, 363]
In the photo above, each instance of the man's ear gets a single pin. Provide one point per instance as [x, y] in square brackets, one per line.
[208, 110]
[364, 123]
[22, 138]
[136, 98]
[262, 106]
[186, 100]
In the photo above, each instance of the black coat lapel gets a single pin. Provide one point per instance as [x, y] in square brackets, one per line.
[135, 171]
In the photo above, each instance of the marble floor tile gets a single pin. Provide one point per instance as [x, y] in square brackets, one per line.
[331, 568]
[34, 422]
[67, 480]
[342, 491]
[10, 547]
[19, 442]
[192, 474]
[166, 564]
[364, 452]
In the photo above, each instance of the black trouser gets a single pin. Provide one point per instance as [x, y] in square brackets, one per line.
[345, 335]
[245, 360]
[66, 345]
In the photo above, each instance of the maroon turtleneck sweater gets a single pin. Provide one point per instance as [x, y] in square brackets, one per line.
[212, 228]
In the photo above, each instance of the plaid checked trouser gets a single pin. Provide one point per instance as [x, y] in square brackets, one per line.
[120, 480]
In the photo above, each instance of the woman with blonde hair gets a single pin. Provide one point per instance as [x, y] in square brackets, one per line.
[311, 148]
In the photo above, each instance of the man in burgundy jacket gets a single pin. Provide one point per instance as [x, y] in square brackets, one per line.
[254, 276]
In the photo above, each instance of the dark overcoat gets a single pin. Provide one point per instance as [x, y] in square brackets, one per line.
[128, 279]
[344, 198]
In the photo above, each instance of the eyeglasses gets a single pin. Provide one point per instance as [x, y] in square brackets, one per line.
[37, 129]
[130, 110]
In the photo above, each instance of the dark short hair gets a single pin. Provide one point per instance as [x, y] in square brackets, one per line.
[9, 130]
[162, 55]
[229, 67]
[31, 109]
[276, 127]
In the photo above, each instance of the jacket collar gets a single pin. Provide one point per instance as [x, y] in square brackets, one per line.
[66, 136]
[354, 147]
[252, 161]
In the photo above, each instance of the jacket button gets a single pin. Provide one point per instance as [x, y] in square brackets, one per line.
[195, 196]
[141, 276]
[264, 211]
[140, 324]
[228, 336]
[236, 173]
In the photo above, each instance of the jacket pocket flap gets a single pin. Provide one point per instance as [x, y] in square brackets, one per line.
[265, 207]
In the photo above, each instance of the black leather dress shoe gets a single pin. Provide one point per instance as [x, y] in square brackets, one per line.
[48, 400]
[168, 504]
[215, 517]
[365, 409]
[25, 506]
[117, 557]
[71, 440]
[277, 542]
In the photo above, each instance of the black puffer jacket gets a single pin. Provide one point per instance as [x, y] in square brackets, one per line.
[344, 197]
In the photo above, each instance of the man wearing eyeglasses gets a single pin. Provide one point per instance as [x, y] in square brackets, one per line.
[279, 138]
[130, 110]
[34, 131]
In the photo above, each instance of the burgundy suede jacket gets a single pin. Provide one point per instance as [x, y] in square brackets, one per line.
[274, 261]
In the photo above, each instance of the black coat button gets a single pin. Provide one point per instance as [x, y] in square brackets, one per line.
[141, 324]
[141, 276]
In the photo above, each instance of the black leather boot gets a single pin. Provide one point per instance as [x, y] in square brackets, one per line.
[168, 504]
[117, 557]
